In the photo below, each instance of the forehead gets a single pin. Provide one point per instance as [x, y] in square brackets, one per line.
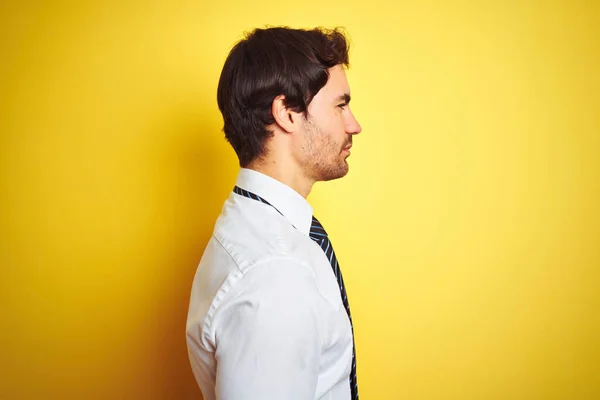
[337, 84]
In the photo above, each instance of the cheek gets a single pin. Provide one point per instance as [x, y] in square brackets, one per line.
[335, 125]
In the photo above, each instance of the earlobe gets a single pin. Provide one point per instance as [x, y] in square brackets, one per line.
[282, 115]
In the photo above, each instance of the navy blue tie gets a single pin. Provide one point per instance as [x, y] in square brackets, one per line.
[319, 235]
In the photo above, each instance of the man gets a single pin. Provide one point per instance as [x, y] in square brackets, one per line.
[269, 316]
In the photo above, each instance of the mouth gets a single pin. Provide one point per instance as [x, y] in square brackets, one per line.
[347, 150]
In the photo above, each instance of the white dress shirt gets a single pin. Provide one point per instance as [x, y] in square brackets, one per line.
[266, 319]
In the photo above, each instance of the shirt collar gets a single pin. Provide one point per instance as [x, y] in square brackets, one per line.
[285, 199]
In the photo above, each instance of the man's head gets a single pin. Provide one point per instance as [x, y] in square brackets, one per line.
[284, 96]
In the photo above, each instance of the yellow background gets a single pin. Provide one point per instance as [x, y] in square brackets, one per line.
[467, 229]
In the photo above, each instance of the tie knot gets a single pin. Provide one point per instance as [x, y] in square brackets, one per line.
[317, 232]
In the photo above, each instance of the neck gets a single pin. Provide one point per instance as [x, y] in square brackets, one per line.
[285, 173]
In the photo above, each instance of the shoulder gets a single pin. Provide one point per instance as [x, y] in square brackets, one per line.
[271, 291]
[253, 233]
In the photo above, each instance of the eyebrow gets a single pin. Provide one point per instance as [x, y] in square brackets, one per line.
[344, 97]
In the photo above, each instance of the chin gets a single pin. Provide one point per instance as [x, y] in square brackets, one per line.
[335, 173]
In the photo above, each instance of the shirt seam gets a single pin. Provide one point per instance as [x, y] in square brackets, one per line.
[230, 281]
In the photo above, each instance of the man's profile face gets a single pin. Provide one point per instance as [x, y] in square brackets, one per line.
[328, 131]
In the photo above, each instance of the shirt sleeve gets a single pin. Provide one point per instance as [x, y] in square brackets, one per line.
[268, 334]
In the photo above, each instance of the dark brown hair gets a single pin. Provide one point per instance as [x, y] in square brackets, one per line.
[268, 63]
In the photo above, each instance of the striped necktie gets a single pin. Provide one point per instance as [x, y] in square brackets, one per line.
[319, 235]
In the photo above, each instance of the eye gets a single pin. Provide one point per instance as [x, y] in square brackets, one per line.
[342, 105]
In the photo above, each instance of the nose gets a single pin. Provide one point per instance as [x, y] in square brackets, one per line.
[352, 126]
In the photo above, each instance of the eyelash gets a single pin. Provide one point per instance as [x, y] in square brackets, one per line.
[342, 105]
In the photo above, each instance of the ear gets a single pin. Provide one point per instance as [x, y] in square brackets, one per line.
[287, 119]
